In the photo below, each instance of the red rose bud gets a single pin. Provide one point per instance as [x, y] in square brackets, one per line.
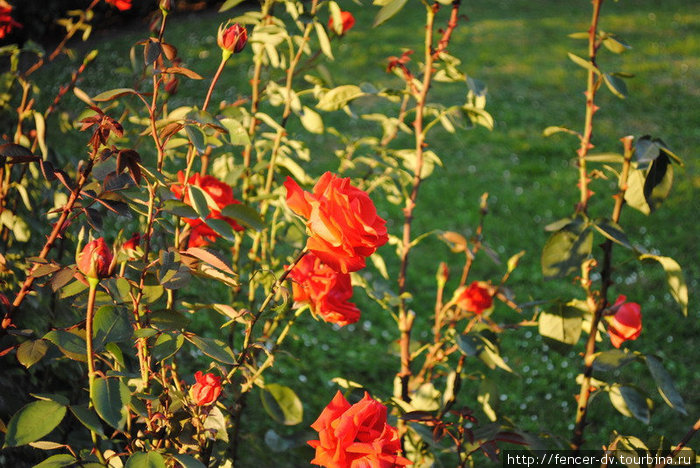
[626, 324]
[356, 435]
[95, 259]
[206, 390]
[475, 298]
[232, 39]
[348, 21]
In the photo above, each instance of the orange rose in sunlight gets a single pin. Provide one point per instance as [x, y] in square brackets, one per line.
[626, 324]
[221, 193]
[206, 389]
[475, 298]
[326, 290]
[341, 220]
[356, 436]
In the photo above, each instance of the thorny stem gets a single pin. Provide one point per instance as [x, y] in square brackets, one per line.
[601, 305]
[55, 232]
[591, 108]
[406, 318]
[689, 435]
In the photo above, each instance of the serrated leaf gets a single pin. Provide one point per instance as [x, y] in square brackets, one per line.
[282, 404]
[215, 349]
[33, 421]
[337, 98]
[583, 63]
[145, 460]
[166, 345]
[30, 352]
[88, 418]
[612, 231]
[665, 385]
[616, 85]
[566, 249]
[562, 324]
[245, 215]
[70, 344]
[612, 359]
[629, 402]
[113, 94]
[674, 277]
[110, 397]
[387, 11]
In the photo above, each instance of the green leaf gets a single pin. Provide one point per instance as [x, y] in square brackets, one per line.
[196, 137]
[630, 402]
[491, 356]
[179, 208]
[561, 324]
[111, 325]
[228, 4]
[70, 344]
[216, 423]
[615, 44]
[616, 85]
[166, 345]
[145, 460]
[583, 63]
[612, 231]
[311, 120]
[665, 385]
[323, 40]
[168, 320]
[612, 359]
[110, 397]
[113, 94]
[387, 11]
[337, 98]
[245, 215]
[566, 249]
[57, 461]
[33, 421]
[187, 461]
[88, 418]
[215, 349]
[199, 200]
[31, 351]
[674, 276]
[282, 404]
[488, 398]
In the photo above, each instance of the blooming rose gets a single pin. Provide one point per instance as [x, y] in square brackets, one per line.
[232, 39]
[356, 436]
[626, 324]
[95, 259]
[326, 290]
[7, 23]
[475, 298]
[347, 19]
[222, 194]
[121, 5]
[206, 390]
[341, 220]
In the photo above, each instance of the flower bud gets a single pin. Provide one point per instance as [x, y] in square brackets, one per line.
[232, 39]
[347, 20]
[95, 259]
[206, 389]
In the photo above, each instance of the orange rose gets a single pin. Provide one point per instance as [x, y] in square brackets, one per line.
[326, 290]
[475, 298]
[356, 436]
[206, 390]
[341, 220]
[221, 193]
[626, 324]
[95, 259]
[347, 19]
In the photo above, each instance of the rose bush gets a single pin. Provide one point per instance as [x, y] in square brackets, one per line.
[342, 222]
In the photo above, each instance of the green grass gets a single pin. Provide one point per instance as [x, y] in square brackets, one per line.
[518, 48]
